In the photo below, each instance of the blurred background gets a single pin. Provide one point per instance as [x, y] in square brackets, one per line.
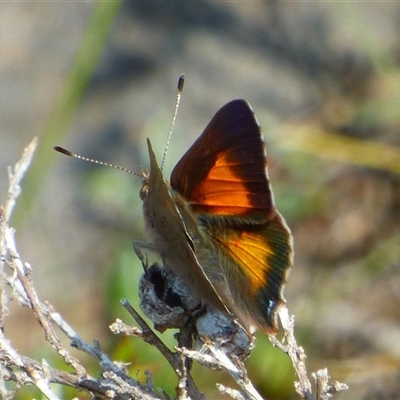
[324, 82]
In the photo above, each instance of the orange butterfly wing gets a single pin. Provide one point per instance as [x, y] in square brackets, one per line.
[262, 255]
[223, 176]
[223, 172]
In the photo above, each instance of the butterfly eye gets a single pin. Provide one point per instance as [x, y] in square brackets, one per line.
[144, 192]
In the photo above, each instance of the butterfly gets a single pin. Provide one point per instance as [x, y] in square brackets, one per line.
[216, 225]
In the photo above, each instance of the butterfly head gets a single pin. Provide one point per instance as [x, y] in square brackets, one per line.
[145, 177]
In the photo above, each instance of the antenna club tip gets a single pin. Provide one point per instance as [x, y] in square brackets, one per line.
[63, 151]
[181, 82]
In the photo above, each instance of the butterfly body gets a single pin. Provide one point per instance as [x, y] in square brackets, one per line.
[218, 228]
[169, 235]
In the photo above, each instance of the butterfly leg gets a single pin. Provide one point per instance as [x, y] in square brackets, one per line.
[138, 246]
[156, 275]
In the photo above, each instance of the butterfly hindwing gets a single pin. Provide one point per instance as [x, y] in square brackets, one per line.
[254, 259]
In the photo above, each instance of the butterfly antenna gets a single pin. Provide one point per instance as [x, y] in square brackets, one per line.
[92, 160]
[179, 91]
